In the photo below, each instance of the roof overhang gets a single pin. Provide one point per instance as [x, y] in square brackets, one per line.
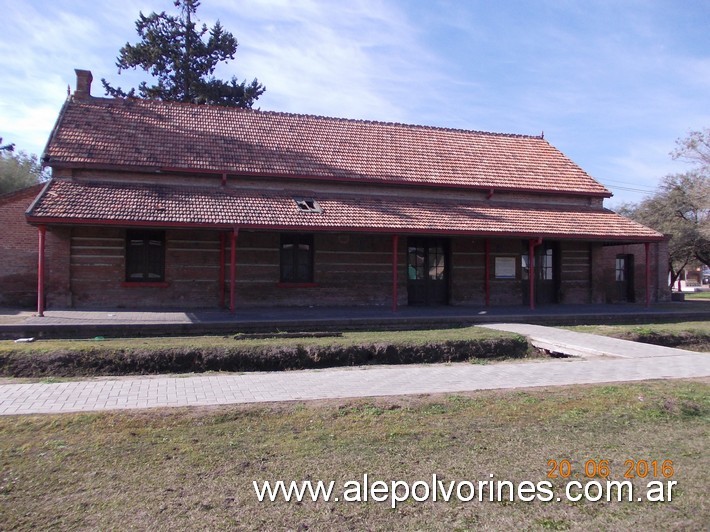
[67, 202]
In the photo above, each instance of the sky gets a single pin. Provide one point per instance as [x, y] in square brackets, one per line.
[611, 83]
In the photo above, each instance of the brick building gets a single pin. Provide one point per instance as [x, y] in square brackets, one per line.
[157, 204]
[18, 250]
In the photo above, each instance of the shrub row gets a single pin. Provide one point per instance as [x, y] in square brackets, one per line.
[140, 361]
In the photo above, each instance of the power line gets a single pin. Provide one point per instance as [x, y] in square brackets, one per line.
[614, 182]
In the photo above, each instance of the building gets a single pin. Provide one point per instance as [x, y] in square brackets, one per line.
[18, 250]
[157, 204]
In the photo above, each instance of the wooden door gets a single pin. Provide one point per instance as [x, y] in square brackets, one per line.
[624, 277]
[427, 271]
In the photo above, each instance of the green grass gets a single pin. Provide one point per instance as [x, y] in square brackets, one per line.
[698, 296]
[690, 335]
[140, 356]
[193, 468]
[416, 337]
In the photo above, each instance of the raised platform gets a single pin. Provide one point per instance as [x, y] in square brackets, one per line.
[131, 323]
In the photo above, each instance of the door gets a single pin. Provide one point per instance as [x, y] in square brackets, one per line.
[427, 271]
[624, 276]
[547, 274]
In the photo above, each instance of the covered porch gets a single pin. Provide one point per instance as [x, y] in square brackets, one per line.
[146, 245]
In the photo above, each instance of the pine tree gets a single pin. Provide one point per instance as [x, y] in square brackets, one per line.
[174, 50]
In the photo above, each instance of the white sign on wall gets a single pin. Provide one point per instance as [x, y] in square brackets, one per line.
[505, 267]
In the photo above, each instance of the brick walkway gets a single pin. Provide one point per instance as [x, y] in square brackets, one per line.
[370, 381]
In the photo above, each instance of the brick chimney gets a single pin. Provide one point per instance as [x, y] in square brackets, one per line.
[83, 84]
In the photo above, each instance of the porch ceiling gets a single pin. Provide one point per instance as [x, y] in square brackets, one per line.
[100, 203]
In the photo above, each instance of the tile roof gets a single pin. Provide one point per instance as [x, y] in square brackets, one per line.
[100, 132]
[100, 203]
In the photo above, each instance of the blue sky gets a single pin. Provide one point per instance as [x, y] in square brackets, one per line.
[611, 83]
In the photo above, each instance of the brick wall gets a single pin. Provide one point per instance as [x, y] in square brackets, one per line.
[468, 267]
[349, 270]
[57, 267]
[658, 256]
[576, 272]
[18, 250]
[97, 271]
[467, 271]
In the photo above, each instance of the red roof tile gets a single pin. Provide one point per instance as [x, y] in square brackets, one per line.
[160, 135]
[161, 205]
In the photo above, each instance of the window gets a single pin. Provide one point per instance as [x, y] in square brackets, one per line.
[308, 205]
[546, 267]
[296, 258]
[544, 271]
[525, 267]
[145, 256]
[416, 261]
[621, 268]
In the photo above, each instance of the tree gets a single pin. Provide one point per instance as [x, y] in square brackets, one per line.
[6, 147]
[173, 50]
[695, 148]
[19, 170]
[681, 205]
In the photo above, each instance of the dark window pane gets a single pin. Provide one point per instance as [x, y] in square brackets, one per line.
[145, 256]
[296, 258]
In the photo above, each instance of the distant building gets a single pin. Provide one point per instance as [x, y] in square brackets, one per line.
[157, 204]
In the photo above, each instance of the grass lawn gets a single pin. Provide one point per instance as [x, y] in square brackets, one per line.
[193, 468]
[72, 358]
[347, 338]
[697, 296]
[690, 335]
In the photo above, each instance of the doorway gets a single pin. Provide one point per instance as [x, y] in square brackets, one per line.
[427, 271]
[624, 277]
[546, 263]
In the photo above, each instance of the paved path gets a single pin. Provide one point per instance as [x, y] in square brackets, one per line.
[153, 392]
[585, 345]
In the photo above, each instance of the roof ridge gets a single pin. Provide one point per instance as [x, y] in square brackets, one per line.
[395, 124]
[142, 101]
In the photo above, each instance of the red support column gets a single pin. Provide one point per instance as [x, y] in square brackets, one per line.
[222, 257]
[488, 272]
[531, 273]
[40, 271]
[232, 268]
[395, 277]
[647, 246]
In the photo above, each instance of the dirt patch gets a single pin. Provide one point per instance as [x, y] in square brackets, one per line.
[139, 361]
[692, 341]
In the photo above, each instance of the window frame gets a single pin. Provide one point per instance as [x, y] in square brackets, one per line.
[143, 259]
[308, 205]
[292, 258]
